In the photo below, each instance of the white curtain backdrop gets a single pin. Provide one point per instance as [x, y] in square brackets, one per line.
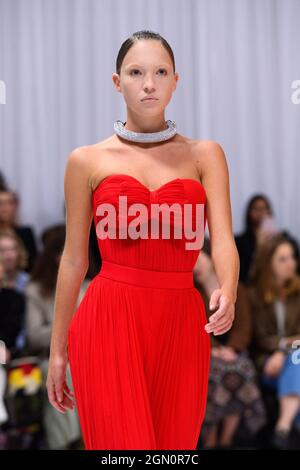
[237, 60]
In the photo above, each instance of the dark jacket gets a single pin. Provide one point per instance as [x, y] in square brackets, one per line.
[265, 337]
[12, 313]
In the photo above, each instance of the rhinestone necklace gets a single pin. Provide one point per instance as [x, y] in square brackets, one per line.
[159, 136]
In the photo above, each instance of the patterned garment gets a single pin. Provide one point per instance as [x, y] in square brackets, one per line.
[233, 389]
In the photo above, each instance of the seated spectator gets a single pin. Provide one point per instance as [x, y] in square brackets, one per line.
[61, 429]
[14, 259]
[9, 203]
[275, 304]
[259, 222]
[11, 319]
[234, 397]
[12, 314]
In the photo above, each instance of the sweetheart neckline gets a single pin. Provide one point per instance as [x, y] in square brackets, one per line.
[142, 184]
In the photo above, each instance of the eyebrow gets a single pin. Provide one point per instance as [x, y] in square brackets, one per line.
[138, 65]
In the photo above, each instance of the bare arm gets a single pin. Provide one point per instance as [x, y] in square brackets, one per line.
[224, 254]
[73, 266]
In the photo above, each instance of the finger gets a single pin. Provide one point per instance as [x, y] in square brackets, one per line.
[57, 406]
[221, 331]
[67, 403]
[64, 404]
[217, 317]
[214, 299]
[221, 323]
[221, 312]
[53, 400]
[223, 308]
[68, 391]
[222, 327]
[59, 392]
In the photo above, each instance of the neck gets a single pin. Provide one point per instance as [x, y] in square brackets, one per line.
[152, 124]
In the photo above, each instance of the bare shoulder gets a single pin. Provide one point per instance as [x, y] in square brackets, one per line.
[207, 155]
[83, 160]
[76, 171]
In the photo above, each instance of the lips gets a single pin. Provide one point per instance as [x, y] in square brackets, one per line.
[149, 98]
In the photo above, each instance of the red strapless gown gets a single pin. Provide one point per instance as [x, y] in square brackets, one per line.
[138, 351]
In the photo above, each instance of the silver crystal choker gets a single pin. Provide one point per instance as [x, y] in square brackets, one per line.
[166, 134]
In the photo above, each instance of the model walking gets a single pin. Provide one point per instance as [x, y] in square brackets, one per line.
[138, 343]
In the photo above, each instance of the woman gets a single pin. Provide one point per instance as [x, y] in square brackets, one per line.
[259, 225]
[275, 304]
[14, 258]
[12, 311]
[9, 204]
[138, 344]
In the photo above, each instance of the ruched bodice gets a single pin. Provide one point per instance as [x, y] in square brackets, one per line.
[147, 253]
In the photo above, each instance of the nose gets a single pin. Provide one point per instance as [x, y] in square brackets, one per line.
[149, 86]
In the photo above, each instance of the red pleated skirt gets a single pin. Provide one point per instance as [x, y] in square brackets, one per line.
[139, 358]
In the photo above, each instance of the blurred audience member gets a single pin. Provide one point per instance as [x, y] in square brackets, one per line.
[61, 429]
[9, 203]
[275, 304]
[14, 259]
[260, 225]
[12, 312]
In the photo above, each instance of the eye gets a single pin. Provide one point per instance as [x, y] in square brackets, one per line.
[164, 70]
[133, 70]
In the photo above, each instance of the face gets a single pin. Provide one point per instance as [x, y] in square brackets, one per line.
[284, 264]
[7, 207]
[259, 211]
[8, 253]
[147, 70]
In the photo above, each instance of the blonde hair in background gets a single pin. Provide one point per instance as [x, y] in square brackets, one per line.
[22, 253]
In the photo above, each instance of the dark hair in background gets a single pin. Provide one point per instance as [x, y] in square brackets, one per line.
[262, 276]
[250, 204]
[46, 266]
[144, 34]
[3, 184]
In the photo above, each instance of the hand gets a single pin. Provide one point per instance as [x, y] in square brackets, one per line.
[262, 236]
[216, 352]
[8, 355]
[224, 353]
[220, 321]
[266, 230]
[228, 354]
[5, 354]
[59, 394]
[274, 364]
